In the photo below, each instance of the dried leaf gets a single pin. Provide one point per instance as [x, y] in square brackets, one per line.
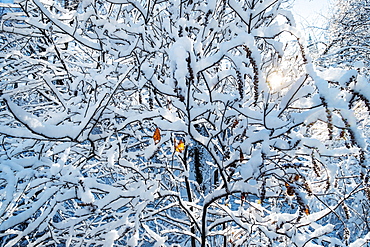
[157, 136]
[289, 189]
[307, 187]
[241, 156]
[180, 146]
[242, 197]
[307, 211]
[235, 123]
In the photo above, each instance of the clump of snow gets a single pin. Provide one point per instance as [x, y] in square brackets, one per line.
[110, 237]
[250, 169]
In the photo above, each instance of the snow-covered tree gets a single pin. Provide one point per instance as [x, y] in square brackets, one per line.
[349, 36]
[347, 48]
[156, 123]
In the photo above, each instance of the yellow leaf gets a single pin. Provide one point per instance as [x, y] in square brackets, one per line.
[259, 202]
[179, 147]
[157, 136]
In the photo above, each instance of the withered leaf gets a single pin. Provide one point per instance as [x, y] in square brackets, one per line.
[157, 136]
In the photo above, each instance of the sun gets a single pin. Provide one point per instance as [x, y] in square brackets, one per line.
[275, 80]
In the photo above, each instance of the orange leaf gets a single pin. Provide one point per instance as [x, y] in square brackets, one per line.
[180, 146]
[307, 211]
[157, 136]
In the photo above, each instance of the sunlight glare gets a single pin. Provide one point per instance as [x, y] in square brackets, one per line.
[275, 80]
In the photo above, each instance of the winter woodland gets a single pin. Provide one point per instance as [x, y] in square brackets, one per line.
[182, 123]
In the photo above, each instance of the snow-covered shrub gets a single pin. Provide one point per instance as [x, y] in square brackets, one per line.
[156, 123]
